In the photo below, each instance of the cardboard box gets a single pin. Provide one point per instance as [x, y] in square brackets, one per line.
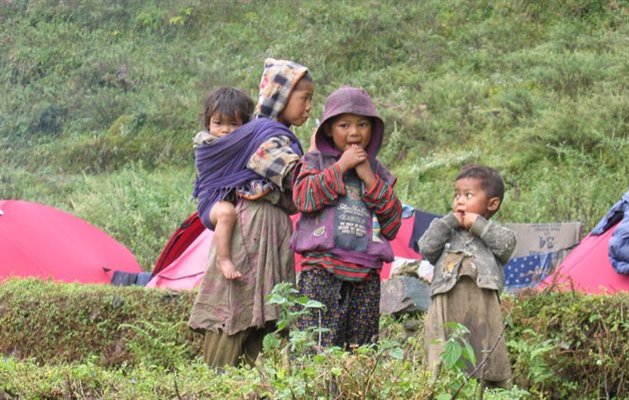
[545, 237]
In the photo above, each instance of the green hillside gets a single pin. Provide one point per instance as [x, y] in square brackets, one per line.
[101, 99]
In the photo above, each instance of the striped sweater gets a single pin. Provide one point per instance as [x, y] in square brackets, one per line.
[317, 191]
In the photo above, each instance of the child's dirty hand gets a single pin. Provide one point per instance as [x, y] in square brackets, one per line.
[351, 157]
[468, 219]
[459, 217]
[365, 173]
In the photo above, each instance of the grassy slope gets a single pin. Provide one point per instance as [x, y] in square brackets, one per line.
[100, 99]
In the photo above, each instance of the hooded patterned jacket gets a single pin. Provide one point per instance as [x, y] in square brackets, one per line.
[344, 227]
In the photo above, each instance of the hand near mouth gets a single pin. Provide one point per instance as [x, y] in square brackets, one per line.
[351, 157]
[468, 219]
[366, 174]
[459, 215]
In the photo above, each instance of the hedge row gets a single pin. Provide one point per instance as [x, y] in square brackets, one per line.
[573, 342]
[108, 325]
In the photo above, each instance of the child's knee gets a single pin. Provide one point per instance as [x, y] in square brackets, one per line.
[223, 211]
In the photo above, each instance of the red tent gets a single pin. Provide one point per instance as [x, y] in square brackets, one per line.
[183, 260]
[587, 268]
[44, 242]
[188, 262]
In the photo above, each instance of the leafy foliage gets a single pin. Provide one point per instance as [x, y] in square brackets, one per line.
[105, 325]
[123, 342]
[569, 343]
[458, 352]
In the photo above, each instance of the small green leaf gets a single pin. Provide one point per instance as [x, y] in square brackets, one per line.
[314, 304]
[451, 353]
[397, 354]
[271, 342]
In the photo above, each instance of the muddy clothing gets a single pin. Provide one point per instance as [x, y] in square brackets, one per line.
[344, 228]
[233, 313]
[261, 252]
[466, 285]
[479, 310]
[485, 248]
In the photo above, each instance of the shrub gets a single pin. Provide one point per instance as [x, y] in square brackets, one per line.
[569, 344]
[562, 345]
[105, 325]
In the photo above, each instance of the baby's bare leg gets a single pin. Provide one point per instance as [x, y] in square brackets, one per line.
[223, 216]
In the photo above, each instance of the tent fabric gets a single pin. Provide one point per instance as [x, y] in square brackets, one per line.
[587, 268]
[40, 241]
[527, 271]
[189, 263]
[187, 270]
[619, 241]
[421, 223]
[179, 241]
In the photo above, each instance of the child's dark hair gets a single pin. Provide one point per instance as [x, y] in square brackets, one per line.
[228, 101]
[490, 179]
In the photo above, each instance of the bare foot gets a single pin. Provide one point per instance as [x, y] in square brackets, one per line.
[228, 269]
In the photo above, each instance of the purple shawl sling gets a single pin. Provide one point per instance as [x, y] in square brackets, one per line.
[222, 164]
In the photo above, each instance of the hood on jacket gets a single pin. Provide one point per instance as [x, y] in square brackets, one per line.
[350, 100]
[278, 80]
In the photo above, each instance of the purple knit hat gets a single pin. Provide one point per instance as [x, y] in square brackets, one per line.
[350, 100]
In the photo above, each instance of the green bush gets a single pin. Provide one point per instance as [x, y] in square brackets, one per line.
[570, 344]
[101, 324]
[562, 344]
[100, 101]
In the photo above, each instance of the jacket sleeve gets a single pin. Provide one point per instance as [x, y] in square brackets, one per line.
[274, 160]
[383, 202]
[316, 189]
[433, 241]
[500, 240]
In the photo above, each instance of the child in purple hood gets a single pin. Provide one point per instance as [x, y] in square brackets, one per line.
[349, 214]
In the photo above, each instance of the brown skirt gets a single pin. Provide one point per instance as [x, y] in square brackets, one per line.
[261, 252]
[479, 310]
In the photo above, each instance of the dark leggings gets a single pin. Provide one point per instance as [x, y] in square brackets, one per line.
[352, 308]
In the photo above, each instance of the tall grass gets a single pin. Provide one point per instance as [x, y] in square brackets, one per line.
[101, 99]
